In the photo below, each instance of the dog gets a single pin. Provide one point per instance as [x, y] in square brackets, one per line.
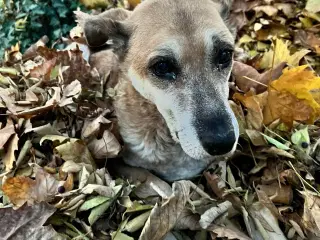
[175, 59]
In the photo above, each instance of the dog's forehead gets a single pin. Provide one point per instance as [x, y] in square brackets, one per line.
[184, 27]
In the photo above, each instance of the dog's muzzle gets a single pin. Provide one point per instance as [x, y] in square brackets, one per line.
[217, 134]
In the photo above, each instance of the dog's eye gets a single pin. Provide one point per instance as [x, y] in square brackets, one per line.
[165, 69]
[225, 58]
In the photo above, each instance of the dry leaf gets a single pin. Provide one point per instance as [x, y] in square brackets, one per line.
[267, 9]
[106, 147]
[229, 233]
[294, 97]
[27, 223]
[247, 77]
[163, 218]
[311, 213]
[23, 189]
[313, 6]
[278, 194]
[280, 54]
[254, 105]
[9, 158]
[75, 151]
[213, 213]
[19, 190]
[6, 133]
[91, 128]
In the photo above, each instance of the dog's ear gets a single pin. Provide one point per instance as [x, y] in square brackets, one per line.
[109, 25]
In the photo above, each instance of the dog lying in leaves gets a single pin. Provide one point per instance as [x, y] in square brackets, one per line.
[175, 59]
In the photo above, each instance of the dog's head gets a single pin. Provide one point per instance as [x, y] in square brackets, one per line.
[178, 54]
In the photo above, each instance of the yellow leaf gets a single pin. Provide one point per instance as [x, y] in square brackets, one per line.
[294, 96]
[281, 53]
[95, 3]
[134, 3]
[18, 189]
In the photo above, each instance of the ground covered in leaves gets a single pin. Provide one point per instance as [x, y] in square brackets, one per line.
[58, 130]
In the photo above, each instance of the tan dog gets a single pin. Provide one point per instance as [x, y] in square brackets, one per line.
[175, 60]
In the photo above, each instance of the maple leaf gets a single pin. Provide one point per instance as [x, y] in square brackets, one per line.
[294, 96]
[281, 53]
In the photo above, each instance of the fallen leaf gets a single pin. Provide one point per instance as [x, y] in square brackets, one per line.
[9, 158]
[93, 202]
[278, 194]
[91, 128]
[254, 105]
[19, 190]
[267, 9]
[163, 218]
[275, 142]
[95, 3]
[23, 189]
[120, 236]
[280, 54]
[106, 147]
[311, 213]
[75, 151]
[293, 97]
[313, 6]
[265, 222]
[247, 77]
[6, 133]
[213, 213]
[229, 233]
[43, 71]
[101, 190]
[27, 223]
[137, 223]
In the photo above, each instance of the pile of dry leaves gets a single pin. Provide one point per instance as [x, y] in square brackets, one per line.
[57, 128]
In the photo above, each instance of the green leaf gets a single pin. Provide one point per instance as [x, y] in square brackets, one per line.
[276, 142]
[98, 211]
[313, 6]
[94, 202]
[300, 136]
[120, 236]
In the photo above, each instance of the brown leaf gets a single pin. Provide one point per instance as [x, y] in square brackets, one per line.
[311, 213]
[278, 194]
[6, 133]
[244, 73]
[254, 105]
[31, 52]
[226, 232]
[308, 40]
[43, 71]
[9, 158]
[106, 147]
[27, 223]
[75, 151]
[18, 190]
[163, 218]
[23, 189]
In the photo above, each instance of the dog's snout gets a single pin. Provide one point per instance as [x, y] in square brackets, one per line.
[217, 135]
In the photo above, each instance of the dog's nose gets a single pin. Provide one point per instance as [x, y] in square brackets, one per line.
[217, 136]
